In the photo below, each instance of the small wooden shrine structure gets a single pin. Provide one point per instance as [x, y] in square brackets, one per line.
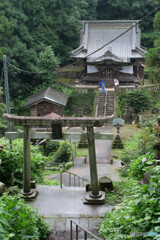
[121, 59]
[47, 101]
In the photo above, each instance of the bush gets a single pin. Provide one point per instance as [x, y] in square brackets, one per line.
[12, 161]
[68, 165]
[146, 141]
[64, 153]
[139, 100]
[19, 221]
[76, 103]
[137, 168]
[139, 212]
[50, 147]
[130, 151]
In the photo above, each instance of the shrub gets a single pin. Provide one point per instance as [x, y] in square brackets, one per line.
[139, 212]
[139, 100]
[146, 140]
[12, 161]
[19, 221]
[68, 165]
[50, 147]
[130, 151]
[137, 168]
[76, 103]
[64, 153]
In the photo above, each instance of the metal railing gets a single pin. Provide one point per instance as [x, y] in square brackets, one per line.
[86, 232]
[73, 179]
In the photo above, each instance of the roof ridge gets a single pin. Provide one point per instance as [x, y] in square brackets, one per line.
[46, 92]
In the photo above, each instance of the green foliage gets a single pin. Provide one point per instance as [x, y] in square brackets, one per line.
[127, 9]
[50, 147]
[12, 161]
[36, 36]
[139, 100]
[76, 103]
[68, 165]
[50, 182]
[19, 221]
[146, 140]
[137, 168]
[81, 152]
[139, 212]
[152, 56]
[121, 103]
[120, 190]
[48, 63]
[130, 151]
[136, 101]
[64, 153]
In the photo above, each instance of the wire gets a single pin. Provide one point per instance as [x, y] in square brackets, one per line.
[124, 32]
[21, 70]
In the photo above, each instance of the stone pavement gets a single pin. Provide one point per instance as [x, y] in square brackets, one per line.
[59, 206]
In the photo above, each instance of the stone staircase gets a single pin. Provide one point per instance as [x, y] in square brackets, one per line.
[105, 103]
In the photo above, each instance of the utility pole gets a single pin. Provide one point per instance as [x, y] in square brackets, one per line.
[5, 68]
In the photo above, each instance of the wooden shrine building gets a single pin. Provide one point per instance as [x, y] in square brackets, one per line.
[121, 59]
[47, 101]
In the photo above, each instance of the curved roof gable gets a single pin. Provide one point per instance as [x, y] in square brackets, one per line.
[95, 34]
[49, 94]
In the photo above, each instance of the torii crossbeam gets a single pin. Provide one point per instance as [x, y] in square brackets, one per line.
[27, 122]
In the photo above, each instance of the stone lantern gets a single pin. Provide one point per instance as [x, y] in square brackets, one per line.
[117, 143]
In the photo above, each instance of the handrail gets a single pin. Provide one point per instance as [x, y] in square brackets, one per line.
[74, 179]
[86, 232]
[96, 107]
[105, 103]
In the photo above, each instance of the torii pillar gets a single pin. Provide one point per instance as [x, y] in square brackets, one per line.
[27, 191]
[94, 196]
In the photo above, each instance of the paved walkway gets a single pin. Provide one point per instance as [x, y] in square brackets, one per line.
[59, 206]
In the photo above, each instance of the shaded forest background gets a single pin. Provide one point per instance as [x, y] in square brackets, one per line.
[38, 35]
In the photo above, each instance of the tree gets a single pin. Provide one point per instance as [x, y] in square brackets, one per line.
[34, 28]
[139, 101]
[130, 10]
[48, 63]
[153, 54]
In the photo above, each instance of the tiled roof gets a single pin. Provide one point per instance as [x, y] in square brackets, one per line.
[96, 34]
[48, 94]
[52, 115]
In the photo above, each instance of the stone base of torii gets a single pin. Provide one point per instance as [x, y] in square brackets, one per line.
[92, 197]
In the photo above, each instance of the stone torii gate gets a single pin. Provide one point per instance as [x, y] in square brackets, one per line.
[94, 196]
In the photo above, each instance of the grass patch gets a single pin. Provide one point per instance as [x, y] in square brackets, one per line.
[81, 152]
[50, 182]
[50, 172]
[121, 189]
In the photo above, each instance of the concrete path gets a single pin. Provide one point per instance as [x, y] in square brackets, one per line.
[59, 206]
